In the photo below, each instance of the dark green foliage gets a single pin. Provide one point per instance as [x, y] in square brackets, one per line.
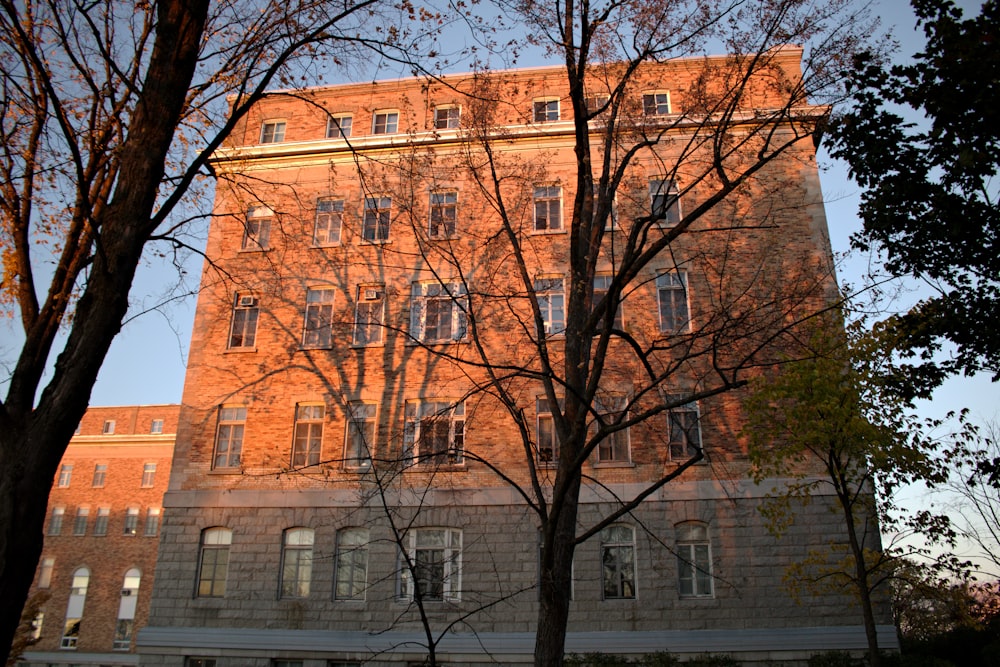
[929, 202]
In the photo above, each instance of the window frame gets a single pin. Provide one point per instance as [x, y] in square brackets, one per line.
[624, 571]
[350, 559]
[295, 580]
[368, 330]
[257, 229]
[125, 620]
[81, 520]
[594, 102]
[101, 522]
[151, 527]
[611, 405]
[542, 408]
[156, 427]
[336, 128]
[389, 121]
[543, 111]
[130, 526]
[109, 427]
[317, 322]
[46, 566]
[449, 121]
[233, 419]
[56, 518]
[429, 415]
[655, 107]
[550, 295]
[442, 214]
[376, 219]
[243, 324]
[670, 309]
[365, 414]
[100, 475]
[692, 566]
[307, 434]
[668, 213]
[549, 197]
[273, 131]
[679, 446]
[450, 563]
[600, 291]
[428, 296]
[329, 216]
[148, 480]
[65, 476]
[219, 546]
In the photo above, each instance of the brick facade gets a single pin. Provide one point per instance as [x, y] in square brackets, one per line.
[108, 470]
[283, 376]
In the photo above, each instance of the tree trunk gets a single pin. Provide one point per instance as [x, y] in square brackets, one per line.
[34, 438]
[556, 579]
[861, 582]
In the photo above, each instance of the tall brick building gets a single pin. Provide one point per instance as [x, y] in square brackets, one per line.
[105, 511]
[366, 421]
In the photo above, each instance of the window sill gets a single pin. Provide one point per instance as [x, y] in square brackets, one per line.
[226, 471]
[376, 242]
[321, 246]
[241, 350]
[306, 348]
[543, 232]
[362, 346]
[614, 464]
[253, 250]
[432, 468]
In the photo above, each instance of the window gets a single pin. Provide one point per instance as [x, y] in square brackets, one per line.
[351, 564]
[80, 524]
[596, 103]
[56, 520]
[545, 111]
[443, 214]
[257, 231]
[329, 221]
[664, 202]
[685, 429]
[45, 572]
[602, 283]
[100, 472]
[213, 565]
[243, 332]
[36, 625]
[434, 433]
[101, 523]
[548, 208]
[614, 448]
[229, 437]
[360, 435]
[551, 302]
[656, 103]
[148, 475]
[131, 526]
[272, 132]
[339, 126]
[296, 562]
[435, 562]
[65, 476]
[385, 122]
[694, 560]
[308, 435]
[618, 561]
[74, 608]
[437, 312]
[317, 329]
[446, 118]
[125, 626]
[152, 522]
[156, 426]
[375, 224]
[671, 292]
[548, 440]
[368, 315]
[109, 427]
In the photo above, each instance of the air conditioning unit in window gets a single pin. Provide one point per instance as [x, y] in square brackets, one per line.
[372, 295]
[247, 302]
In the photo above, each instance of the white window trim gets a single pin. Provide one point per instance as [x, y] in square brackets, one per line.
[688, 544]
[602, 406]
[371, 296]
[447, 107]
[452, 564]
[615, 544]
[546, 100]
[657, 114]
[387, 113]
[691, 407]
[336, 211]
[559, 228]
[683, 287]
[455, 293]
[419, 411]
[347, 556]
[304, 572]
[351, 461]
[332, 122]
[319, 337]
[273, 123]
[541, 292]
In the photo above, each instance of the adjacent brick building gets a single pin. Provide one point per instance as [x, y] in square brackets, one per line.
[340, 436]
[105, 511]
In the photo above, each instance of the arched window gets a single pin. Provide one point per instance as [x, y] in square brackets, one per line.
[618, 561]
[296, 562]
[126, 611]
[213, 565]
[74, 608]
[694, 560]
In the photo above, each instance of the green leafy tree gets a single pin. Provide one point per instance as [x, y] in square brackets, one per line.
[929, 203]
[834, 425]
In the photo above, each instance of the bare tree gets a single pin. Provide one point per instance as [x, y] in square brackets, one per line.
[974, 491]
[109, 113]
